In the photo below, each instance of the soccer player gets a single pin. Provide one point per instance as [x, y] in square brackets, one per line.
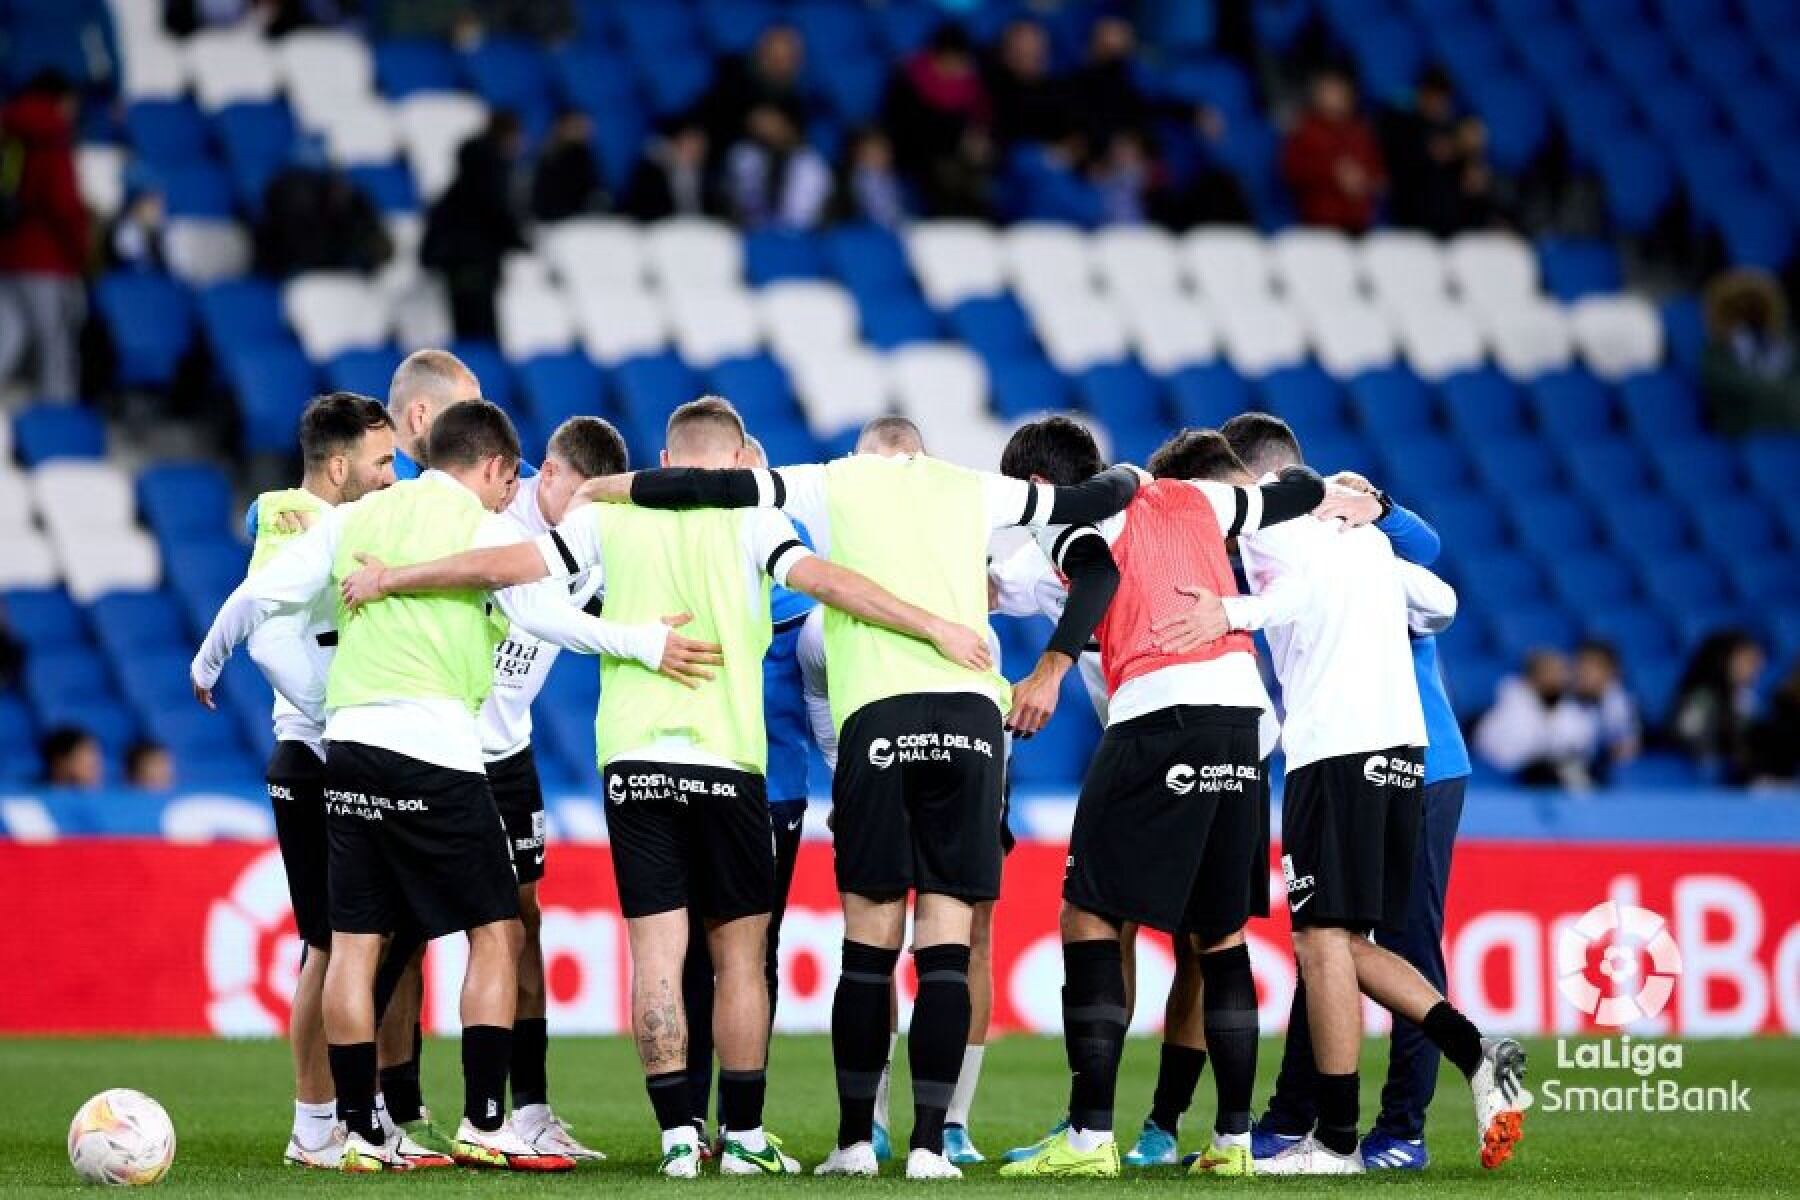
[424, 384]
[346, 452]
[1167, 827]
[1397, 1139]
[916, 795]
[411, 823]
[686, 805]
[1334, 607]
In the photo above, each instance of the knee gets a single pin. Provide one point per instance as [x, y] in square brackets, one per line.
[1314, 948]
[531, 914]
[1079, 925]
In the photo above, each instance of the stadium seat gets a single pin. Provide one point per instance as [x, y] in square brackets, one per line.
[1604, 469]
[180, 500]
[166, 133]
[151, 320]
[1574, 268]
[1618, 336]
[1570, 404]
[1078, 330]
[1492, 269]
[100, 178]
[1592, 582]
[1660, 404]
[1209, 395]
[1419, 464]
[1046, 260]
[955, 261]
[406, 66]
[1230, 265]
[154, 70]
[799, 315]
[1698, 462]
[273, 382]
[53, 675]
[1440, 340]
[613, 324]
[1403, 270]
[899, 320]
[758, 387]
[129, 623]
[771, 255]
[1026, 385]
[534, 320]
[1137, 260]
[1528, 337]
[433, 127]
[17, 509]
[1260, 335]
[1482, 403]
[694, 253]
[867, 259]
[594, 253]
[1772, 463]
[840, 390]
[200, 252]
[323, 70]
[365, 135]
[512, 74]
[42, 617]
[1682, 582]
[100, 562]
[51, 431]
[1315, 266]
[993, 326]
[714, 323]
[1551, 524]
[1168, 331]
[1501, 579]
[240, 312]
[76, 496]
[942, 387]
[1517, 631]
[559, 386]
[228, 66]
[1350, 337]
[1649, 529]
[334, 311]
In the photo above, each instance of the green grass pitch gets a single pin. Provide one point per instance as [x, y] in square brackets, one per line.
[231, 1107]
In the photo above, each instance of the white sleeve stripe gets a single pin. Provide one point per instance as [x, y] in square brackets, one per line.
[1069, 537]
[768, 488]
[1253, 510]
[786, 557]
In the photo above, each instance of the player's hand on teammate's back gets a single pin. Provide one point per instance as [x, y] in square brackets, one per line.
[685, 660]
[1204, 622]
[1348, 505]
[365, 585]
[290, 520]
[962, 646]
[1034, 697]
[602, 489]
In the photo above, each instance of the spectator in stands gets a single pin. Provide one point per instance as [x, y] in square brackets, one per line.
[1104, 89]
[1331, 158]
[135, 241]
[1125, 178]
[1715, 704]
[148, 765]
[1749, 370]
[72, 758]
[1776, 739]
[1537, 732]
[567, 180]
[937, 111]
[672, 179]
[770, 75]
[315, 219]
[1030, 104]
[272, 17]
[1599, 689]
[869, 189]
[773, 177]
[473, 225]
[1436, 159]
[43, 239]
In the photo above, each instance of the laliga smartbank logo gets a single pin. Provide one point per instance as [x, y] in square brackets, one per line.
[1618, 964]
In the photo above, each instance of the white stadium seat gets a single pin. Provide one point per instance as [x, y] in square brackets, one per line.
[939, 385]
[1230, 264]
[402, 269]
[533, 320]
[433, 126]
[100, 177]
[1078, 329]
[523, 268]
[695, 252]
[589, 252]
[1170, 331]
[79, 496]
[976, 443]
[1404, 268]
[713, 324]
[841, 389]
[1134, 259]
[1492, 270]
[323, 71]
[801, 315]
[334, 311]
[1617, 335]
[95, 564]
[230, 65]
[363, 133]
[955, 261]
[16, 505]
[422, 314]
[1440, 339]
[1529, 337]
[1260, 336]
[154, 67]
[29, 561]
[1315, 266]
[1044, 257]
[1351, 336]
[202, 251]
[620, 323]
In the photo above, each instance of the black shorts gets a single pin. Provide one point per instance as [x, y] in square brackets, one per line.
[1349, 831]
[296, 783]
[916, 797]
[520, 798]
[685, 835]
[411, 839]
[1165, 830]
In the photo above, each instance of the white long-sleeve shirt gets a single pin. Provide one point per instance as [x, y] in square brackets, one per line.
[437, 730]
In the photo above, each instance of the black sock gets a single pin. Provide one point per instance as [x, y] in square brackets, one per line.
[486, 1053]
[400, 1089]
[939, 1034]
[1093, 999]
[353, 1075]
[697, 997]
[859, 1032]
[1177, 1074]
[669, 1099]
[530, 1072]
[1455, 1035]
[741, 1098]
[1338, 1112]
[1229, 1011]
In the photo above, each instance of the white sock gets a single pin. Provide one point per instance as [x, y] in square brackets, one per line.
[753, 1140]
[881, 1089]
[681, 1135]
[313, 1123]
[388, 1128]
[532, 1117]
[963, 1098]
[1222, 1140]
[1082, 1141]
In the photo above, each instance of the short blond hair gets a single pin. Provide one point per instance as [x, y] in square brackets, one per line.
[710, 420]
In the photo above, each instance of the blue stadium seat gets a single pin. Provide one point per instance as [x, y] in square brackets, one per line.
[1208, 396]
[772, 254]
[1595, 114]
[867, 258]
[732, 26]
[407, 65]
[1591, 581]
[1390, 398]
[1519, 630]
[1685, 580]
[790, 442]
[1482, 403]
[110, 722]
[1470, 525]
[832, 30]
[759, 388]
[241, 311]
[181, 500]
[53, 677]
[1344, 451]
[365, 372]
[1736, 526]
[257, 137]
[1389, 53]
[126, 623]
[44, 618]
[1605, 468]
[1571, 404]
[1022, 384]
[1649, 529]
[1306, 398]
[904, 25]
[1757, 229]
[273, 381]
[1508, 464]
[559, 386]
[1772, 463]
[199, 189]
[1660, 404]
[852, 81]
[672, 78]
[154, 679]
[993, 326]
[1722, 59]
[1502, 578]
[1122, 395]
[202, 574]
[490, 367]
[1419, 464]
[1472, 683]
[151, 320]
[49, 431]
[512, 73]
[1684, 332]
[1635, 631]
[1550, 523]
[389, 186]
[1517, 118]
[1766, 582]
[1657, 769]
[1698, 461]
[166, 132]
[1577, 267]
[898, 319]
[593, 78]
[1216, 82]
[659, 28]
[652, 386]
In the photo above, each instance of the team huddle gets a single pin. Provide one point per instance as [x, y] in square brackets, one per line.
[407, 601]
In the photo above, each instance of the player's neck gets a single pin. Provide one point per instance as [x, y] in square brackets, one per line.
[321, 487]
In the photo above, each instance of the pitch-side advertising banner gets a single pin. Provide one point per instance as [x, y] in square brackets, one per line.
[147, 936]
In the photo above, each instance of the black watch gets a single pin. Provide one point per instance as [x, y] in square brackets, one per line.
[1387, 505]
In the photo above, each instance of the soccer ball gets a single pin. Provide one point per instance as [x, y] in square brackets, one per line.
[122, 1138]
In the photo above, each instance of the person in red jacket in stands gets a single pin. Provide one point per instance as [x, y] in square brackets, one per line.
[43, 236]
[1332, 160]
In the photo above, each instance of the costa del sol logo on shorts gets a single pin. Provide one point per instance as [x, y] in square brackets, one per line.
[881, 754]
[1180, 779]
[615, 788]
[1375, 769]
[1618, 963]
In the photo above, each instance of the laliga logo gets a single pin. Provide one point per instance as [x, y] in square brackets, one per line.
[1180, 779]
[252, 955]
[1624, 934]
[881, 754]
[615, 789]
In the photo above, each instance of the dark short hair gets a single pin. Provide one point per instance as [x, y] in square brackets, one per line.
[138, 751]
[894, 432]
[60, 742]
[335, 422]
[1254, 436]
[471, 432]
[713, 411]
[1196, 454]
[1055, 448]
[591, 447]
[1600, 647]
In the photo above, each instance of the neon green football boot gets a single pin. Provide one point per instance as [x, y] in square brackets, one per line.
[1060, 1158]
